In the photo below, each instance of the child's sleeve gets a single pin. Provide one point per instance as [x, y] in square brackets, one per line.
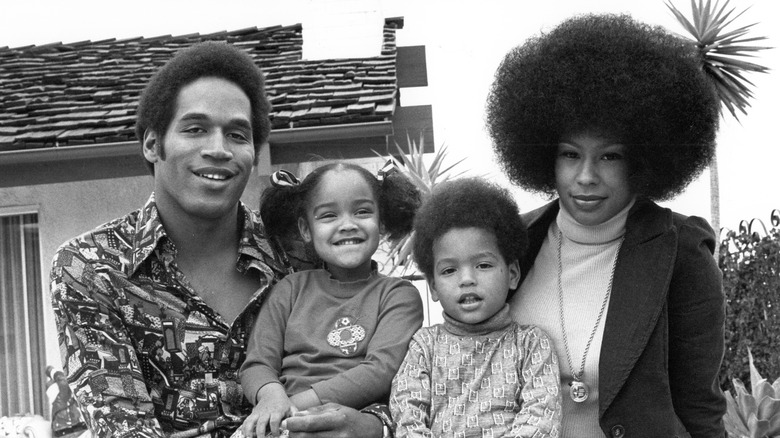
[410, 396]
[540, 395]
[400, 315]
[265, 346]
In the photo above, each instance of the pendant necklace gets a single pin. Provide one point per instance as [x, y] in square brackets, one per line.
[578, 390]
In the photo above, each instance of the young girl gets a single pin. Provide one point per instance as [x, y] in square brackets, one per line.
[479, 373]
[335, 334]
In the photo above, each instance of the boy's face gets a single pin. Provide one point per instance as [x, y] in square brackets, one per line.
[471, 279]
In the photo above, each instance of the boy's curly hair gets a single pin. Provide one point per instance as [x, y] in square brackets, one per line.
[612, 77]
[466, 203]
[157, 104]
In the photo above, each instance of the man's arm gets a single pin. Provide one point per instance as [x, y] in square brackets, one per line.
[98, 355]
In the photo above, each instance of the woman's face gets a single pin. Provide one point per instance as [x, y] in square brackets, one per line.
[591, 177]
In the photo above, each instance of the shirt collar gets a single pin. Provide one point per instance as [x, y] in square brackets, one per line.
[608, 231]
[254, 250]
[148, 231]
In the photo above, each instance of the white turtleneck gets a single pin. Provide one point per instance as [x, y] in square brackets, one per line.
[588, 254]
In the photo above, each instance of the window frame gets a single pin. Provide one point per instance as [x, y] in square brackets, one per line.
[37, 401]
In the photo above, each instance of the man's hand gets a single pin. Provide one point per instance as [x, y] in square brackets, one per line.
[332, 420]
[272, 407]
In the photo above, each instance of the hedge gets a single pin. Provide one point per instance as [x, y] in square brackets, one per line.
[750, 261]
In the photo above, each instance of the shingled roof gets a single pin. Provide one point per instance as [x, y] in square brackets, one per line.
[60, 95]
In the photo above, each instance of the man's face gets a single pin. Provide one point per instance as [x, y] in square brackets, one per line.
[209, 152]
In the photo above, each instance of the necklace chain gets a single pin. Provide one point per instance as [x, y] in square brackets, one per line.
[578, 376]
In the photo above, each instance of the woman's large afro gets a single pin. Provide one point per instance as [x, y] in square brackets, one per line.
[612, 77]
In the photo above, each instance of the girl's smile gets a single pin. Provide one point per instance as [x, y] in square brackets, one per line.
[342, 222]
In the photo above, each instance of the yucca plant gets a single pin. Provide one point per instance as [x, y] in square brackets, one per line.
[425, 178]
[723, 52]
[723, 57]
[755, 415]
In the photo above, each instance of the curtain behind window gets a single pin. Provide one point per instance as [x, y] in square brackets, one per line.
[21, 317]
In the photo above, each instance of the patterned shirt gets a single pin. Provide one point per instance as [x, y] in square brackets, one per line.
[489, 380]
[144, 354]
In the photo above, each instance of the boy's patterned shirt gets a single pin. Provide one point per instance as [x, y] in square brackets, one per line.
[500, 384]
[144, 354]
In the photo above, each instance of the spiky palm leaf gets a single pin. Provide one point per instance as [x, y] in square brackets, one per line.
[425, 178]
[723, 56]
[723, 52]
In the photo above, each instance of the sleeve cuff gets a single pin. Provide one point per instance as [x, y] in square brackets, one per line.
[383, 413]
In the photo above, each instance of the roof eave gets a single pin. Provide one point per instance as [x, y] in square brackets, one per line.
[126, 148]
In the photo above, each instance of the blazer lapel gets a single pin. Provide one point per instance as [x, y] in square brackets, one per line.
[639, 289]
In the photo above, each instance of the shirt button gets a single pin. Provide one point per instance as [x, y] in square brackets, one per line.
[618, 431]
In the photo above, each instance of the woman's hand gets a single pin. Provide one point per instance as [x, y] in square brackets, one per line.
[332, 420]
[272, 407]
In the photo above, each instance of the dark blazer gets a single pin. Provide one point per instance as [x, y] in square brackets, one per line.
[664, 334]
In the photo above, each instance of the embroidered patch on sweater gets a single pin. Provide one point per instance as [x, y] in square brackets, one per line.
[346, 335]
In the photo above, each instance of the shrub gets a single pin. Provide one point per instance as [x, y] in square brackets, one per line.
[751, 282]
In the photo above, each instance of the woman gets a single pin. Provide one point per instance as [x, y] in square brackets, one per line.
[611, 115]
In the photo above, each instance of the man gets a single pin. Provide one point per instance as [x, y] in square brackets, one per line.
[153, 308]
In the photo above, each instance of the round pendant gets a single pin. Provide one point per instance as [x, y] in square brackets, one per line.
[578, 391]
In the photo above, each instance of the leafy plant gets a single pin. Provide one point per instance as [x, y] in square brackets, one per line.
[755, 415]
[425, 178]
[750, 262]
[723, 52]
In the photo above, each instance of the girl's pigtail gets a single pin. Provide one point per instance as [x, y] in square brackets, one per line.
[399, 200]
[279, 206]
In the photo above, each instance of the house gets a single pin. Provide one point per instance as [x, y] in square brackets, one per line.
[69, 160]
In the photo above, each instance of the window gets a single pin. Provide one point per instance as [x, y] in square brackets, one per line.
[21, 315]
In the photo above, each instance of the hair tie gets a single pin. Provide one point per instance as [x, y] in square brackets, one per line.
[283, 178]
[388, 169]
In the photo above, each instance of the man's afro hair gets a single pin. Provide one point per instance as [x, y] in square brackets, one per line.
[157, 104]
